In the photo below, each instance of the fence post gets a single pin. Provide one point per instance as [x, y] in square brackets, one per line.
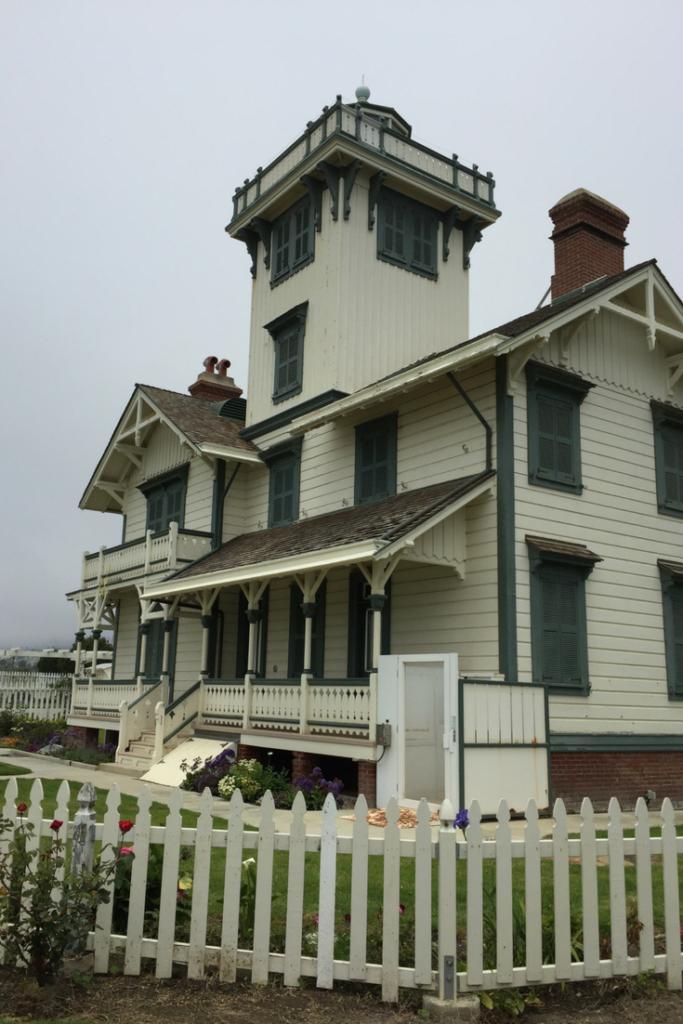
[447, 902]
[83, 852]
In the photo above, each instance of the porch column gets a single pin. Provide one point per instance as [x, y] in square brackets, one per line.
[308, 608]
[377, 603]
[96, 634]
[166, 657]
[253, 618]
[80, 637]
[144, 633]
[206, 626]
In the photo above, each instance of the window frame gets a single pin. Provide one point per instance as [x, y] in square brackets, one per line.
[544, 565]
[164, 483]
[281, 330]
[286, 225]
[389, 422]
[671, 578]
[390, 200]
[554, 386]
[277, 458]
[665, 418]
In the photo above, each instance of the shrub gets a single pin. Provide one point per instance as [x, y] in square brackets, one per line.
[34, 733]
[315, 789]
[44, 916]
[253, 779]
[9, 741]
[200, 775]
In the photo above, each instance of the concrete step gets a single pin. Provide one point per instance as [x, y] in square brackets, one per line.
[124, 769]
[128, 760]
[141, 749]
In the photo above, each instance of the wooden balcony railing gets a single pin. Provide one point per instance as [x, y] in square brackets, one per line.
[151, 554]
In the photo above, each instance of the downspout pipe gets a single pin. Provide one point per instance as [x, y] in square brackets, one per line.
[485, 424]
[218, 531]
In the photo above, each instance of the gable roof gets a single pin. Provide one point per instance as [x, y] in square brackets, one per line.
[195, 421]
[376, 526]
[198, 419]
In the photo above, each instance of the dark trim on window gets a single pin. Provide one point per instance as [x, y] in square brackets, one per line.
[671, 577]
[559, 569]
[505, 507]
[389, 426]
[285, 236]
[242, 645]
[666, 417]
[281, 460]
[180, 472]
[564, 392]
[282, 419]
[288, 327]
[217, 504]
[359, 602]
[410, 252]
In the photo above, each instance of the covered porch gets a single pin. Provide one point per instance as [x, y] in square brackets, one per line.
[287, 646]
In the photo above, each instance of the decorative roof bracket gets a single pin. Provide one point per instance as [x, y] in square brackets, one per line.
[349, 175]
[376, 182]
[331, 175]
[315, 190]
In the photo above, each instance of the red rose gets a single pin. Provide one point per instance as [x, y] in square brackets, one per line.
[22, 808]
[56, 825]
[126, 825]
[127, 851]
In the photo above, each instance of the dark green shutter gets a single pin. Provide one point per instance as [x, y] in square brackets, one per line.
[672, 459]
[677, 621]
[284, 489]
[297, 626]
[560, 652]
[375, 460]
[154, 650]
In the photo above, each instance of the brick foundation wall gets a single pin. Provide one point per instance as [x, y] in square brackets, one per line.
[247, 753]
[367, 781]
[624, 774]
[85, 736]
[302, 764]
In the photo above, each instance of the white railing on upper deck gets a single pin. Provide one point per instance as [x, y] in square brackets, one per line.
[350, 122]
[35, 694]
[94, 698]
[153, 553]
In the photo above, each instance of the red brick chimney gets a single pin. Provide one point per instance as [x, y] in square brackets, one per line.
[214, 384]
[589, 240]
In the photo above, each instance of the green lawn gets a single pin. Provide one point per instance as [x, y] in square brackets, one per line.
[375, 902]
[12, 769]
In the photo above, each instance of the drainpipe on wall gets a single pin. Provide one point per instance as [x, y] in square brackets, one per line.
[486, 425]
[220, 494]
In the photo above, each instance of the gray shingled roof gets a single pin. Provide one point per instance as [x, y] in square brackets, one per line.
[385, 521]
[198, 418]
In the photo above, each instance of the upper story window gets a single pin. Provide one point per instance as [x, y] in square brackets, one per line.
[668, 427]
[166, 499]
[554, 400]
[375, 460]
[283, 495]
[672, 598]
[293, 240]
[287, 332]
[559, 642]
[407, 233]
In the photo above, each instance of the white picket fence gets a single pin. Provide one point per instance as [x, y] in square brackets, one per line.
[480, 942]
[35, 694]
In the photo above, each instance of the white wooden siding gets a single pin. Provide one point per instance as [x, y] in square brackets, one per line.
[199, 497]
[365, 316]
[616, 516]
[127, 636]
[188, 653]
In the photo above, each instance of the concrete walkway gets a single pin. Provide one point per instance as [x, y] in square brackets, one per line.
[43, 767]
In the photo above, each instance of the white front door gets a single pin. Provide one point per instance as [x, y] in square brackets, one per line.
[418, 697]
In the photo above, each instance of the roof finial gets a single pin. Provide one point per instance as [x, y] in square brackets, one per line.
[362, 92]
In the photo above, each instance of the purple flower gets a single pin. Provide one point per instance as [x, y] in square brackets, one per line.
[462, 819]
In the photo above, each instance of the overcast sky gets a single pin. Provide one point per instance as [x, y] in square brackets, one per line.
[125, 127]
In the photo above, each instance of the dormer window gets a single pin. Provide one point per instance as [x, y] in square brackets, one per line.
[165, 499]
[287, 332]
[293, 240]
[407, 233]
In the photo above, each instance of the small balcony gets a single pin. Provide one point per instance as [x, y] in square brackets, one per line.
[155, 554]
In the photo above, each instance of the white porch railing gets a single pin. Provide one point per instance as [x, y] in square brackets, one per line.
[332, 707]
[509, 928]
[35, 694]
[101, 699]
[153, 553]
